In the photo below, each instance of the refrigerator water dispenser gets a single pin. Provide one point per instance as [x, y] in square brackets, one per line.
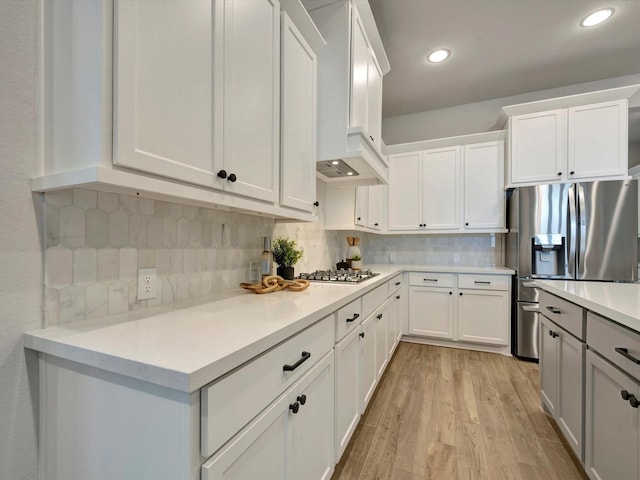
[548, 254]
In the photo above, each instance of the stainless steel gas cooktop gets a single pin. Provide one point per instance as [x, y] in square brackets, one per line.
[338, 276]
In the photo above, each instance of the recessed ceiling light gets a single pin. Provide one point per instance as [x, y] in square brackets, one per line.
[597, 17]
[335, 162]
[349, 173]
[438, 56]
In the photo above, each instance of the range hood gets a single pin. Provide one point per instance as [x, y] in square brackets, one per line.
[362, 164]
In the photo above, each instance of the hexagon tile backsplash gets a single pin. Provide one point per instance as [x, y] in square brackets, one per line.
[95, 243]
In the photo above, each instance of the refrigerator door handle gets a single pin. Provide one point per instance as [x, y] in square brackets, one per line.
[582, 232]
[572, 231]
[531, 308]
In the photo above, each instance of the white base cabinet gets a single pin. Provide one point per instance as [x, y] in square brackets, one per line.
[292, 439]
[612, 424]
[465, 308]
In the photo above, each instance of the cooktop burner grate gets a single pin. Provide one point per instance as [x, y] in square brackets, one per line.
[338, 276]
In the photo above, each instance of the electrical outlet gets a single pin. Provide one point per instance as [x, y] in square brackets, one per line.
[254, 273]
[456, 258]
[147, 283]
[392, 257]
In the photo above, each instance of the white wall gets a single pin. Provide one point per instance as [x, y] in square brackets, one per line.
[21, 276]
[481, 116]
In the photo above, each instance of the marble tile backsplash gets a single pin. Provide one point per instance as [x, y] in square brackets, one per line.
[95, 243]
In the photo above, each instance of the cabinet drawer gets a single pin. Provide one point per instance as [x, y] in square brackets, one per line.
[484, 282]
[426, 279]
[230, 403]
[566, 314]
[348, 318]
[394, 284]
[605, 337]
[373, 299]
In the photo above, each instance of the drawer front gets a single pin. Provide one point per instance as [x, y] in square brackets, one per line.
[372, 300]
[348, 318]
[605, 337]
[230, 403]
[484, 282]
[426, 279]
[566, 314]
[394, 285]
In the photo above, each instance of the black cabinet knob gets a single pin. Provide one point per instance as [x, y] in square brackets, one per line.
[633, 401]
[379, 316]
[571, 172]
[294, 407]
[316, 204]
[467, 224]
[460, 293]
[559, 174]
[375, 224]
[222, 174]
[397, 297]
[451, 293]
[371, 138]
[302, 399]
[625, 395]
[361, 334]
[232, 178]
[359, 219]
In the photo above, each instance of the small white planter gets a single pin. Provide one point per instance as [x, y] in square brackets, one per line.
[356, 264]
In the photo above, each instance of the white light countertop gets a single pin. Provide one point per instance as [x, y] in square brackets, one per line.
[619, 302]
[187, 348]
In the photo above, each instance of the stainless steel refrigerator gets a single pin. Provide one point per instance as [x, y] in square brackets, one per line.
[575, 231]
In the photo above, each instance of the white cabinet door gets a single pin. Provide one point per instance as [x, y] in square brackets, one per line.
[298, 95]
[362, 206]
[483, 316]
[368, 371]
[405, 191]
[611, 423]
[347, 401]
[597, 140]
[441, 188]
[548, 364]
[360, 54]
[394, 331]
[538, 150]
[382, 353]
[431, 312]
[259, 451]
[163, 97]
[311, 430]
[251, 97]
[570, 402]
[374, 101]
[484, 197]
[374, 206]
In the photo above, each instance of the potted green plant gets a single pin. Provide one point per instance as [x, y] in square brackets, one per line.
[356, 262]
[286, 255]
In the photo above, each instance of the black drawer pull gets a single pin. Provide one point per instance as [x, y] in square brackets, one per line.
[477, 282]
[625, 353]
[355, 316]
[361, 334]
[397, 283]
[554, 310]
[429, 279]
[379, 316]
[290, 368]
[553, 334]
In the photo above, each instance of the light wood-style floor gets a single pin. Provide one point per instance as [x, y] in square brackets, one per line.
[442, 413]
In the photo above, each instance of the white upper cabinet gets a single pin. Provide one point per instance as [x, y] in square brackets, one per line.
[164, 97]
[598, 140]
[251, 86]
[350, 71]
[456, 187]
[577, 137]
[483, 189]
[405, 191]
[298, 97]
[538, 149]
[441, 188]
[187, 92]
[186, 107]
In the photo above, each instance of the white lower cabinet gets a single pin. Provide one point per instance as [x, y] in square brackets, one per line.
[611, 422]
[562, 381]
[481, 316]
[293, 438]
[347, 402]
[368, 370]
[431, 312]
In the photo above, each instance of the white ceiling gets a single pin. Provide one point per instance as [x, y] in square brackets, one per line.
[499, 48]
